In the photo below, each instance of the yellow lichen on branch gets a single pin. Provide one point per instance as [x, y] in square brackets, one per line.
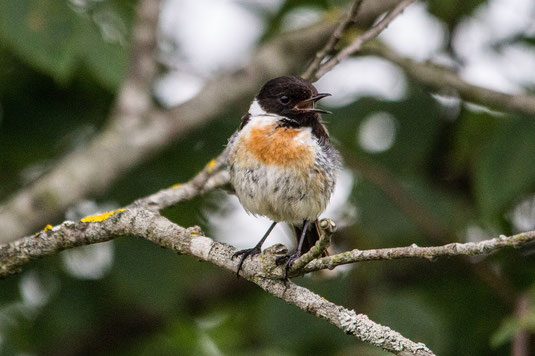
[211, 165]
[100, 217]
[48, 227]
[178, 185]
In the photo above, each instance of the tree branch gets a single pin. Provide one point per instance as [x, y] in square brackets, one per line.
[356, 45]
[137, 220]
[444, 79]
[260, 270]
[520, 344]
[343, 25]
[427, 223]
[134, 98]
[454, 249]
[328, 228]
[126, 143]
[212, 176]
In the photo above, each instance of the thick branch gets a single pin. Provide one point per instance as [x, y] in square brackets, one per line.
[134, 98]
[126, 143]
[86, 171]
[445, 80]
[261, 270]
[154, 227]
[454, 249]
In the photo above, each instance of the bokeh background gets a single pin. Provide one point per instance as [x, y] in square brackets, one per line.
[419, 168]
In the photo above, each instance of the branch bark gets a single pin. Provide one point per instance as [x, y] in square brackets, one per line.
[445, 80]
[344, 24]
[124, 144]
[430, 253]
[131, 137]
[260, 270]
[357, 44]
[427, 223]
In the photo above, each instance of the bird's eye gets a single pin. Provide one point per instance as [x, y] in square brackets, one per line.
[284, 99]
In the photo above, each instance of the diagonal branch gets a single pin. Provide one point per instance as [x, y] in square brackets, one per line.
[356, 45]
[262, 270]
[444, 79]
[130, 140]
[212, 176]
[344, 24]
[126, 143]
[190, 241]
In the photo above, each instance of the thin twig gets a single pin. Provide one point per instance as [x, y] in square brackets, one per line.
[356, 45]
[210, 177]
[344, 24]
[328, 228]
[454, 249]
[429, 224]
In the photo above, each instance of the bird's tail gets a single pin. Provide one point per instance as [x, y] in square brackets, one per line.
[311, 237]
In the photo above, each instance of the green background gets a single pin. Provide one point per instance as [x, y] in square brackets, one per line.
[58, 80]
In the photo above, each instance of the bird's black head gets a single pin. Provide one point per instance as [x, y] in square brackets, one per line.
[290, 97]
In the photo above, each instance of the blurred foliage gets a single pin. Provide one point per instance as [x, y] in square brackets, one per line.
[59, 37]
[60, 65]
[452, 12]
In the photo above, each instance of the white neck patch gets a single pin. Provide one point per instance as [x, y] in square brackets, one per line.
[256, 110]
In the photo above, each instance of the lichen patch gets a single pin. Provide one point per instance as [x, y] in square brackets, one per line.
[101, 217]
[210, 166]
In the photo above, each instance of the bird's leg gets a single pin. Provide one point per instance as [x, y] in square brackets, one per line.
[290, 258]
[252, 251]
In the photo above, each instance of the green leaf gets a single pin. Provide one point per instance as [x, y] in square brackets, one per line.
[58, 41]
[506, 168]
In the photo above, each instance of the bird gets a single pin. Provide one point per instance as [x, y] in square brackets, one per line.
[282, 164]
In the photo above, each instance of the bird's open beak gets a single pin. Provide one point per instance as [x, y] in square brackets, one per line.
[308, 105]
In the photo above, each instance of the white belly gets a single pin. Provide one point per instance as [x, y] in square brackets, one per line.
[280, 193]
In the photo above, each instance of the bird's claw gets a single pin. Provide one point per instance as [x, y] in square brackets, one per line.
[244, 253]
[288, 260]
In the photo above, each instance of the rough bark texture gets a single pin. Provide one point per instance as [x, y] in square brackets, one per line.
[137, 131]
[262, 270]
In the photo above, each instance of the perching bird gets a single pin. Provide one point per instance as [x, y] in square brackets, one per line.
[282, 164]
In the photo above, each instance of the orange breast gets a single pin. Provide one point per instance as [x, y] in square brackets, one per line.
[278, 146]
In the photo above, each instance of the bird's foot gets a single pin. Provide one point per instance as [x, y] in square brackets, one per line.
[288, 260]
[244, 253]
